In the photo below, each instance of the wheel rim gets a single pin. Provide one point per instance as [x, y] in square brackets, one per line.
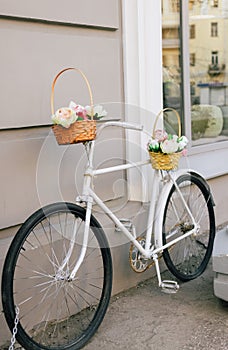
[63, 313]
[188, 258]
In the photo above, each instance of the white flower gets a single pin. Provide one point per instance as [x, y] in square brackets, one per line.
[98, 111]
[167, 143]
[169, 146]
[64, 116]
[182, 142]
[72, 105]
[153, 145]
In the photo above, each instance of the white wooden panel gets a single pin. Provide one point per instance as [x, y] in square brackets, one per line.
[90, 12]
[35, 171]
[32, 55]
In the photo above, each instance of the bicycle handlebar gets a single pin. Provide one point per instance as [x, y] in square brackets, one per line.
[124, 125]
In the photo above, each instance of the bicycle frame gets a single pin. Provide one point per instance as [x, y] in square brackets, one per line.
[59, 267]
[154, 219]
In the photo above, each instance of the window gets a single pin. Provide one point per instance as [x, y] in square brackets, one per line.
[215, 3]
[192, 59]
[199, 93]
[192, 31]
[175, 5]
[214, 57]
[209, 108]
[171, 55]
[214, 29]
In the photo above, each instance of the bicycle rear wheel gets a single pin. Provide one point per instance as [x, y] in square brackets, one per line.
[188, 258]
[56, 312]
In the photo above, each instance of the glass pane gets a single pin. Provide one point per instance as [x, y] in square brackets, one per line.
[208, 32]
[172, 94]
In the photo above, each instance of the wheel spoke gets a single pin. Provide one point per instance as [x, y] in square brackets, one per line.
[55, 312]
[188, 258]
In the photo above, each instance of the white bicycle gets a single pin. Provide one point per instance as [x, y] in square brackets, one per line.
[58, 270]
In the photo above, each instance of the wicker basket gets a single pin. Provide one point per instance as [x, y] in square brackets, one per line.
[159, 160]
[80, 131]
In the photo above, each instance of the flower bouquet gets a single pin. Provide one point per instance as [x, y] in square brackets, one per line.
[166, 149]
[75, 123]
[66, 116]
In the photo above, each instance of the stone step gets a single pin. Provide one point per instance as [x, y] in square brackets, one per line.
[220, 264]
[220, 252]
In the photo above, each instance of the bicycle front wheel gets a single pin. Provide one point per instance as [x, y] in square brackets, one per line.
[56, 311]
[188, 258]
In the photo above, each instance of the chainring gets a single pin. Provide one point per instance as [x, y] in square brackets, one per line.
[137, 262]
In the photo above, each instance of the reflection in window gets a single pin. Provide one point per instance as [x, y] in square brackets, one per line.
[175, 5]
[209, 107]
[192, 59]
[208, 62]
[171, 57]
[214, 29]
[215, 3]
[192, 31]
[214, 57]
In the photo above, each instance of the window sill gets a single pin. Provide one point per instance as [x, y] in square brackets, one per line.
[209, 140]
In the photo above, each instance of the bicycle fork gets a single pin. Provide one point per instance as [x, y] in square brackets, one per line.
[71, 276]
[88, 200]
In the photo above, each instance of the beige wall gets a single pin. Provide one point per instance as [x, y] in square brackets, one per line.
[39, 41]
[86, 12]
[34, 52]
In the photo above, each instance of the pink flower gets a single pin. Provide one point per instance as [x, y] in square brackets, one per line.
[161, 135]
[184, 152]
[79, 110]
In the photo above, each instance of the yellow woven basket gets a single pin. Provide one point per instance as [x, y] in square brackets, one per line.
[162, 161]
[80, 131]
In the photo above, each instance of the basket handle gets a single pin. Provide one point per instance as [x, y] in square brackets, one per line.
[86, 81]
[161, 112]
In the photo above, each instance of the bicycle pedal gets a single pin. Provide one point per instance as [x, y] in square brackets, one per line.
[169, 287]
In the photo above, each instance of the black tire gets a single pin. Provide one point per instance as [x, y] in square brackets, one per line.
[188, 258]
[55, 312]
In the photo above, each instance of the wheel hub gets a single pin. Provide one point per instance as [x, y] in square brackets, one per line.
[62, 276]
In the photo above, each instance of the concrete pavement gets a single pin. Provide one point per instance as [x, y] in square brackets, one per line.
[145, 318]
